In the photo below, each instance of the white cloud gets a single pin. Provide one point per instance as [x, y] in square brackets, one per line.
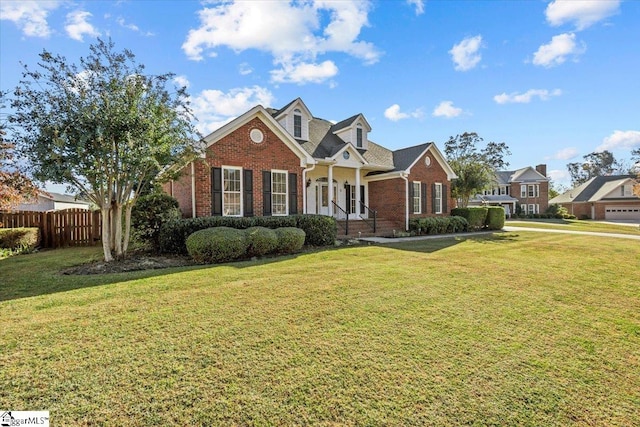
[294, 33]
[132, 27]
[214, 108]
[559, 175]
[564, 154]
[619, 139]
[446, 109]
[525, 98]
[556, 52]
[465, 54]
[301, 73]
[583, 13]
[182, 81]
[245, 69]
[77, 25]
[394, 114]
[29, 16]
[419, 4]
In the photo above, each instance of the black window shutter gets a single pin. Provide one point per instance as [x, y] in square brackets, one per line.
[247, 182]
[423, 197]
[362, 199]
[216, 191]
[445, 198]
[266, 193]
[293, 193]
[433, 198]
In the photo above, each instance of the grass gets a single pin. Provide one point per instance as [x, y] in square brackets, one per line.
[516, 329]
[577, 225]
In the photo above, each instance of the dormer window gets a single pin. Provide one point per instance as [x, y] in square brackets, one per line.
[297, 123]
[359, 135]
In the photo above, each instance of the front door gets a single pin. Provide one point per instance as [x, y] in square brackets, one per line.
[322, 197]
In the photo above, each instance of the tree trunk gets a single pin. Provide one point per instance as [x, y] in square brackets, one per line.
[106, 234]
[117, 229]
[127, 227]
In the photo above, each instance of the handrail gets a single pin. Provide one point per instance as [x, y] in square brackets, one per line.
[371, 211]
[346, 224]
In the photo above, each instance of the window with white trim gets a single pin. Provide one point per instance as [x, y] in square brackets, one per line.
[359, 135]
[417, 202]
[231, 191]
[279, 192]
[534, 190]
[438, 198]
[523, 190]
[297, 123]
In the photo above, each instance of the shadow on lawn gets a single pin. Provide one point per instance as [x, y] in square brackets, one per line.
[437, 244]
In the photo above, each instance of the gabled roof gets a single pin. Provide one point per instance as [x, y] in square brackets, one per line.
[520, 175]
[349, 122]
[300, 103]
[404, 158]
[593, 190]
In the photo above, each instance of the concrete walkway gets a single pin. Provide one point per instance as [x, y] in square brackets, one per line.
[480, 233]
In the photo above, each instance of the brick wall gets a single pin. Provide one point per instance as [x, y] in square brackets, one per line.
[237, 149]
[434, 173]
[180, 189]
[542, 199]
[388, 199]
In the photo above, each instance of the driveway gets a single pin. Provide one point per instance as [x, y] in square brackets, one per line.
[586, 233]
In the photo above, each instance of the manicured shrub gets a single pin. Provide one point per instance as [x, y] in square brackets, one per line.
[23, 239]
[557, 211]
[219, 244]
[290, 239]
[438, 225]
[148, 215]
[495, 217]
[458, 224]
[261, 241]
[475, 216]
[174, 233]
[321, 230]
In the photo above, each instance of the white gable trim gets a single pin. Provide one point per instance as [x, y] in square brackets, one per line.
[298, 103]
[520, 172]
[439, 158]
[352, 150]
[259, 112]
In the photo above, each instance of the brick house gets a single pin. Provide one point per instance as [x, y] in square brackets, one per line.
[286, 161]
[527, 188]
[603, 198]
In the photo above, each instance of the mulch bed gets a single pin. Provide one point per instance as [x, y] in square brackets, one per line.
[133, 262]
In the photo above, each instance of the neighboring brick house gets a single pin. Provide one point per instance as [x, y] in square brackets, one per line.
[527, 188]
[286, 161]
[604, 198]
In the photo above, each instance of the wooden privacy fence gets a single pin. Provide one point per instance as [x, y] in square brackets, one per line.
[69, 227]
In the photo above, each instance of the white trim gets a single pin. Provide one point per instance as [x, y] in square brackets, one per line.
[438, 206]
[413, 185]
[439, 158]
[238, 168]
[286, 191]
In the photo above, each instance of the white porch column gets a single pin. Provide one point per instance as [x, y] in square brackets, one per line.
[358, 193]
[330, 179]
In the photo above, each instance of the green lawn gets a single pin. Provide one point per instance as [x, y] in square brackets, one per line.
[576, 225]
[524, 328]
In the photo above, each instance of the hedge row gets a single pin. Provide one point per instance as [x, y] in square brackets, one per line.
[21, 239]
[319, 230]
[222, 244]
[438, 225]
[490, 217]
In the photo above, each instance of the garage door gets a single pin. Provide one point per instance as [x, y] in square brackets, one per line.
[622, 212]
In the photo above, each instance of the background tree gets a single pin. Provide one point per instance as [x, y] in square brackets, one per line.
[635, 158]
[15, 185]
[595, 164]
[103, 127]
[476, 168]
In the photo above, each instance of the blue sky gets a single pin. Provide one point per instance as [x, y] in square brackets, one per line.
[555, 80]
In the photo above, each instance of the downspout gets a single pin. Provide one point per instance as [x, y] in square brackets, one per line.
[193, 189]
[406, 200]
[304, 186]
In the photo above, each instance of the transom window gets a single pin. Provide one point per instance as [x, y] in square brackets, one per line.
[438, 198]
[417, 203]
[297, 123]
[231, 192]
[279, 192]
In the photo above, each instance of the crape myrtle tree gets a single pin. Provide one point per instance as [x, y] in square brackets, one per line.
[104, 127]
[15, 185]
[475, 167]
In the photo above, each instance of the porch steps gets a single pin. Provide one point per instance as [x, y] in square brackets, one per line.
[384, 228]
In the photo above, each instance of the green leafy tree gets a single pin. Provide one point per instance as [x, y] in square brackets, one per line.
[476, 168]
[104, 127]
[594, 164]
[635, 157]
